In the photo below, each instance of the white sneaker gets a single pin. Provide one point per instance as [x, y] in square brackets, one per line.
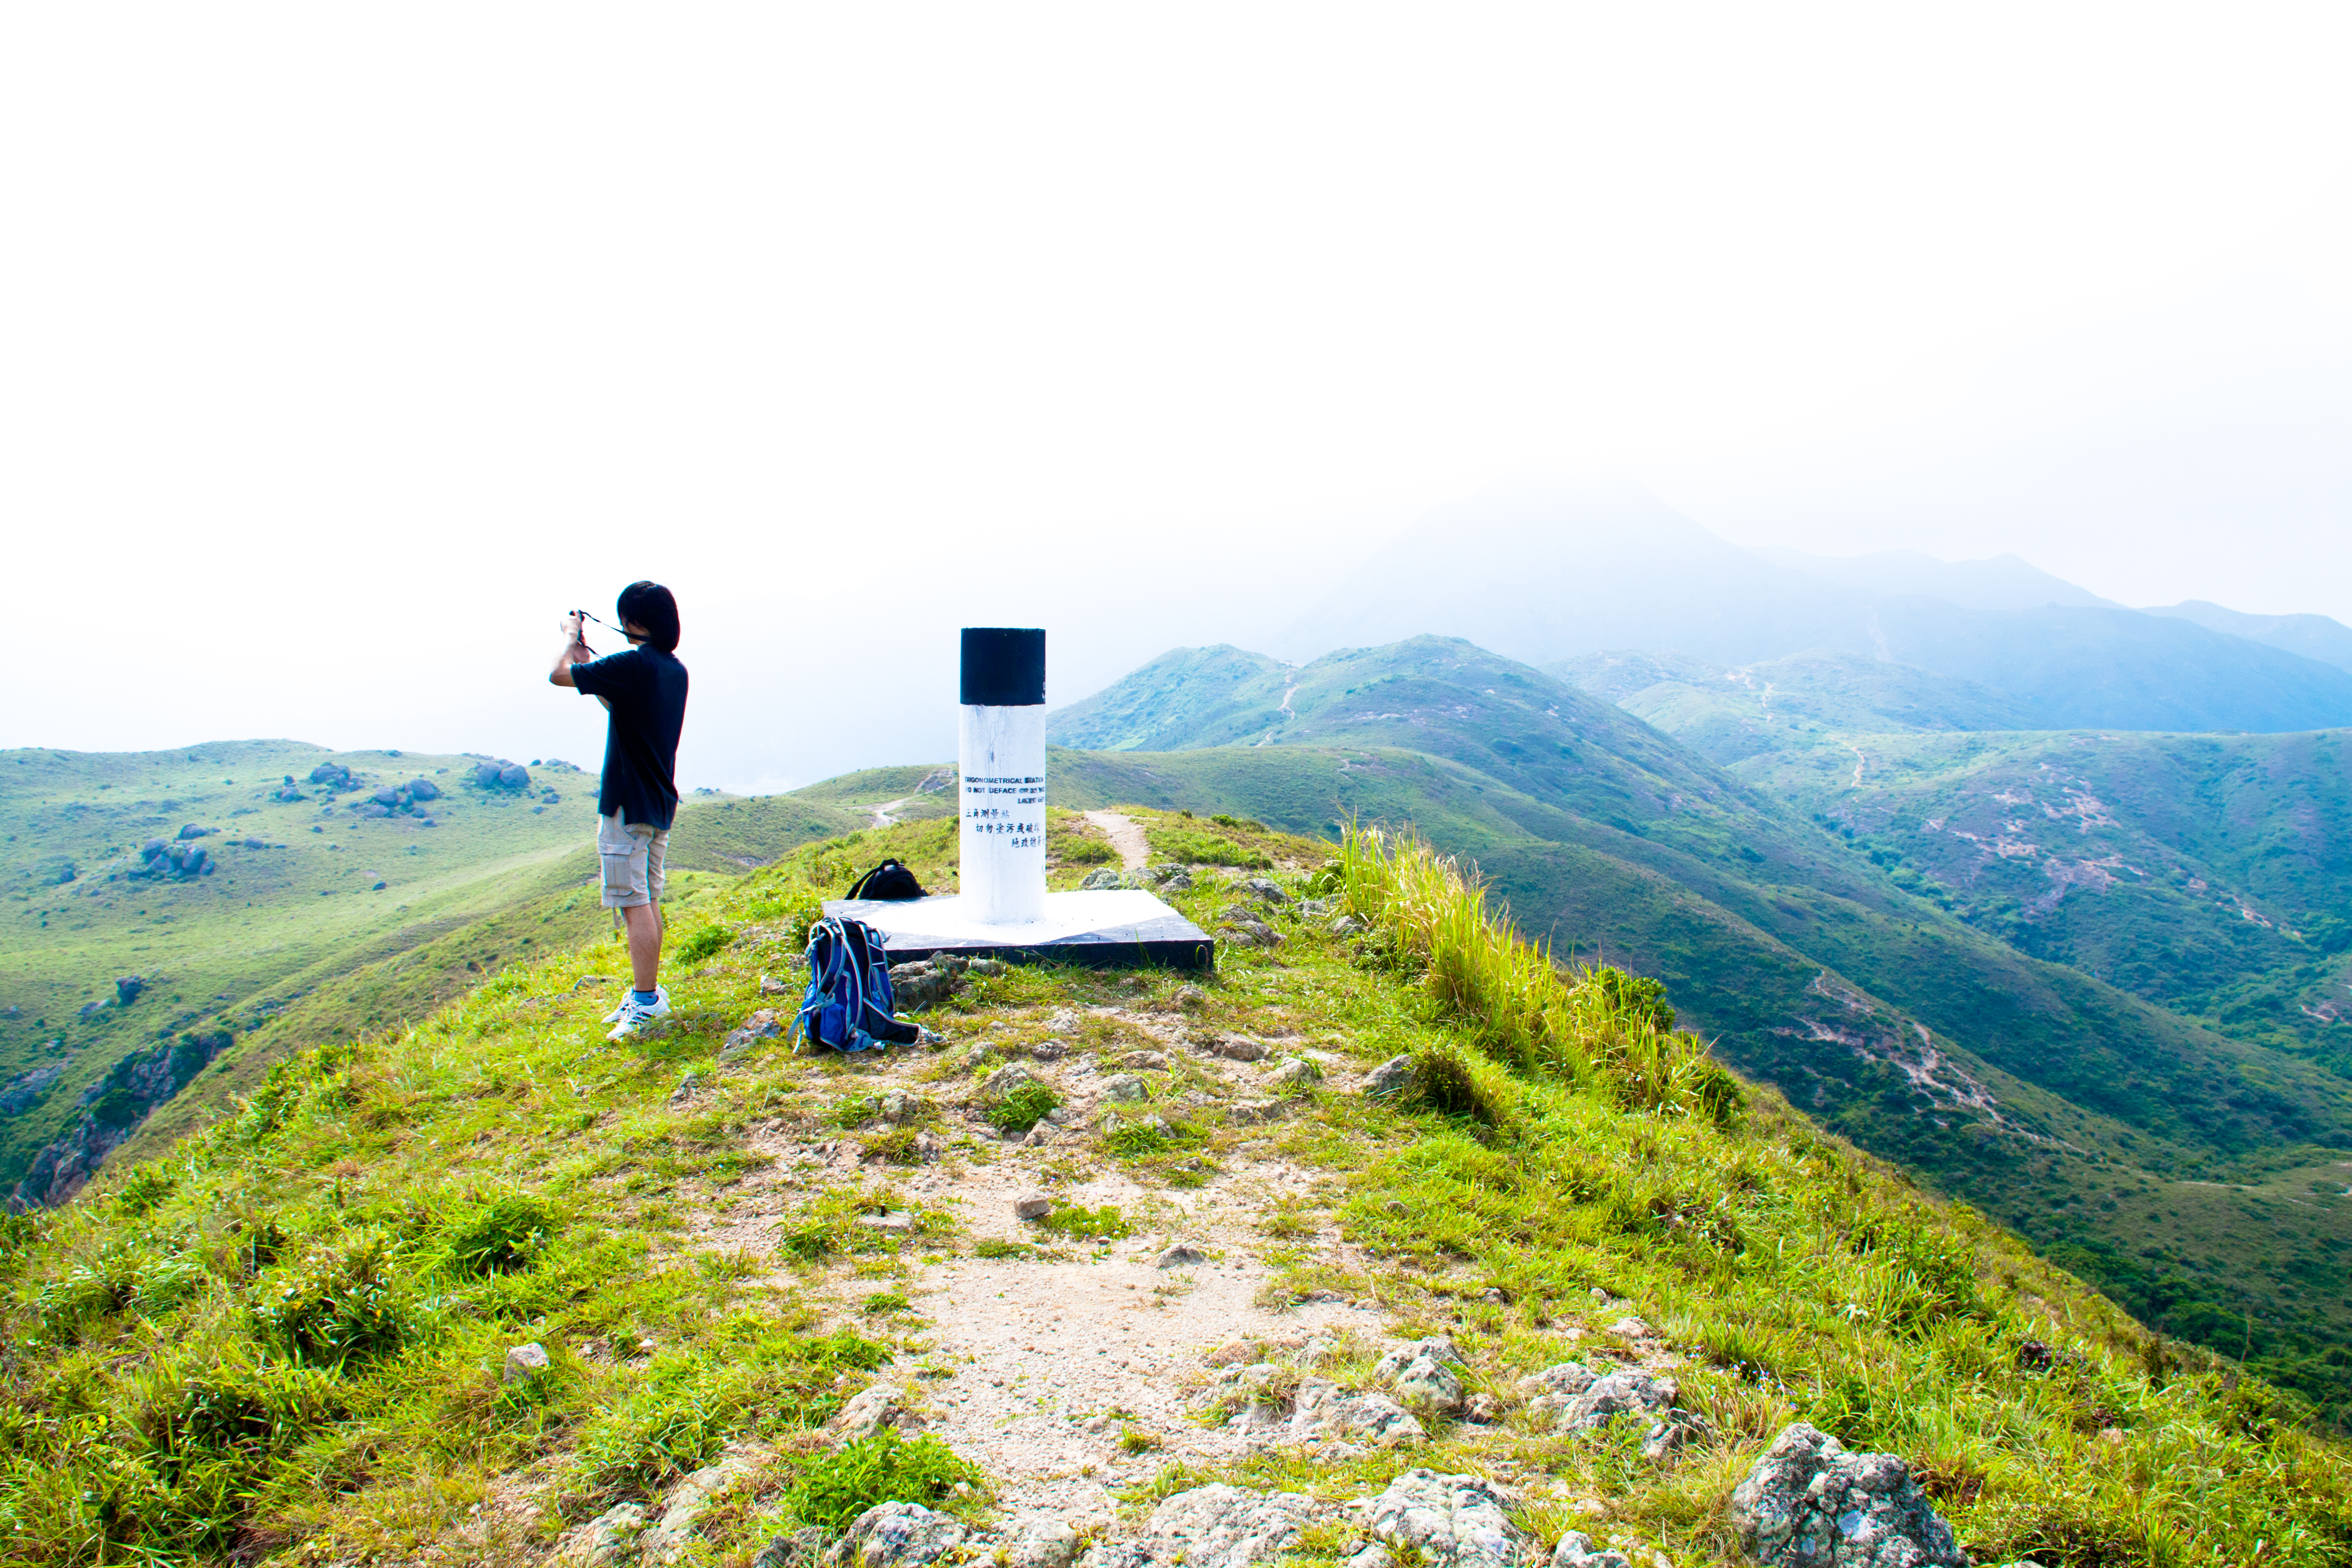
[633, 1014]
[621, 1012]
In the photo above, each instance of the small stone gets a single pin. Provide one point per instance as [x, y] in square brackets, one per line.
[897, 1222]
[1125, 1086]
[1457, 1522]
[1346, 925]
[1144, 1061]
[987, 968]
[1809, 1503]
[1297, 1075]
[770, 986]
[1325, 1410]
[1240, 1049]
[1388, 1077]
[523, 1363]
[1482, 1409]
[1049, 1050]
[1270, 891]
[1619, 1394]
[606, 1537]
[800, 1549]
[1679, 1430]
[894, 1535]
[764, 1024]
[1012, 1076]
[1180, 1256]
[1032, 1205]
[1191, 996]
[740, 1043]
[898, 1106]
[1576, 1551]
[684, 1092]
[1632, 1328]
[869, 1411]
[1042, 1543]
[1568, 1378]
[1257, 1111]
[1396, 1206]
[1425, 1380]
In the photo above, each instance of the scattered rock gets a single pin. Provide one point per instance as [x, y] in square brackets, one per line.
[1189, 997]
[1445, 1522]
[1144, 1061]
[605, 1538]
[920, 986]
[1482, 1409]
[1012, 1076]
[1215, 1526]
[1104, 877]
[1180, 1256]
[669, 1536]
[1326, 1410]
[800, 1549]
[899, 1108]
[1049, 1050]
[1619, 1394]
[1297, 1075]
[1246, 928]
[1270, 891]
[1632, 1328]
[1040, 1542]
[1568, 1377]
[1347, 925]
[1257, 1111]
[1808, 1503]
[1436, 1347]
[1679, 1430]
[1240, 1048]
[1125, 1086]
[1431, 1382]
[1576, 1551]
[770, 986]
[523, 1363]
[894, 1535]
[882, 1404]
[1388, 1077]
[987, 968]
[1032, 1205]
[127, 989]
[684, 1092]
[1169, 878]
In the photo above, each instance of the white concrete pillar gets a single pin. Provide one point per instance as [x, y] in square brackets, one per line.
[1001, 749]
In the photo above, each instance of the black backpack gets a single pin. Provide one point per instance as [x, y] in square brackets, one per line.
[888, 880]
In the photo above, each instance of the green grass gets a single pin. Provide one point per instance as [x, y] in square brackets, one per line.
[2184, 1160]
[283, 1337]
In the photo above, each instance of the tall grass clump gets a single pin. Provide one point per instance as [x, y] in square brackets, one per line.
[1596, 1028]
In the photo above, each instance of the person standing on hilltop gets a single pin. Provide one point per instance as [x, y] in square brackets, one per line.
[643, 689]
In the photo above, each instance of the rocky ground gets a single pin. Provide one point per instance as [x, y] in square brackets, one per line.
[1094, 1336]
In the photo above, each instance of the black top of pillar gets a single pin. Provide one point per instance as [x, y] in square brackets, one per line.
[1003, 667]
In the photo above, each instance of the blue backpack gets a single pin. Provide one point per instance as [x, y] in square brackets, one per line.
[849, 1004]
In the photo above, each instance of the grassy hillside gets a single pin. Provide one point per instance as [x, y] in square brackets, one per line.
[283, 1342]
[2027, 1086]
[317, 918]
[297, 883]
[2212, 873]
[1187, 697]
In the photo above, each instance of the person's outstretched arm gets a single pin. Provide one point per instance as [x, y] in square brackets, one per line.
[574, 651]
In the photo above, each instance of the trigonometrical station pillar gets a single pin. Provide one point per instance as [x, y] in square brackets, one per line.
[1000, 751]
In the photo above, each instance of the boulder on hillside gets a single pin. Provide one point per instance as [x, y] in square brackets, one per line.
[1619, 1394]
[1443, 1520]
[423, 789]
[171, 861]
[127, 989]
[510, 778]
[894, 1535]
[1215, 1526]
[1388, 1079]
[1325, 1410]
[1809, 1503]
[334, 776]
[192, 831]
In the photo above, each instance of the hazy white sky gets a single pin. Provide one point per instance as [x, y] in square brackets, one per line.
[340, 348]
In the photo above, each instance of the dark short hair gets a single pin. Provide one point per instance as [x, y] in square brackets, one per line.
[649, 605]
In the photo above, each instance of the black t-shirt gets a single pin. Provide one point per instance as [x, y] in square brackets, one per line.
[646, 689]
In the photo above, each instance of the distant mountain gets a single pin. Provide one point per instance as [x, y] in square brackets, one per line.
[1818, 956]
[1188, 696]
[1562, 578]
[2313, 637]
[2004, 583]
[1725, 714]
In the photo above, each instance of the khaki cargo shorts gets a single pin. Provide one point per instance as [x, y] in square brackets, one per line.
[631, 853]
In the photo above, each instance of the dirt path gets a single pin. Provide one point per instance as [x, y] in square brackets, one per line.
[1125, 836]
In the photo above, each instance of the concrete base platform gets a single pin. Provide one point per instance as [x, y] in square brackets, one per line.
[1114, 928]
